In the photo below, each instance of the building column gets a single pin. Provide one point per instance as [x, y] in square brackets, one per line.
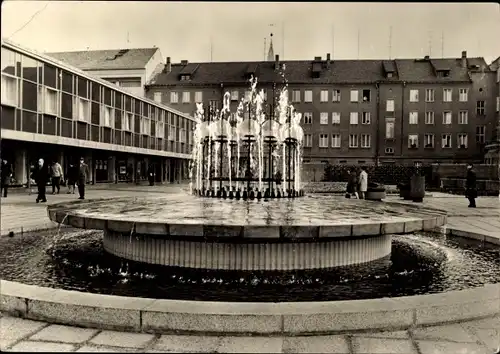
[112, 169]
[162, 171]
[20, 166]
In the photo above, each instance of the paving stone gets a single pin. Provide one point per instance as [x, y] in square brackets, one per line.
[122, 339]
[65, 334]
[490, 337]
[101, 349]
[250, 345]
[190, 344]
[394, 334]
[13, 329]
[491, 322]
[36, 346]
[454, 333]
[382, 346]
[316, 344]
[434, 347]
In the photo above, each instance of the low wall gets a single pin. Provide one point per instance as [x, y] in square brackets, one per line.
[337, 187]
[457, 186]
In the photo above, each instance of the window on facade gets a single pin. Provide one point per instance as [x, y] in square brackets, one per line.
[198, 96]
[447, 117]
[447, 95]
[308, 117]
[354, 96]
[480, 134]
[336, 96]
[335, 117]
[171, 132]
[127, 121]
[480, 108]
[307, 140]
[463, 117]
[145, 126]
[462, 141]
[186, 97]
[413, 95]
[365, 140]
[446, 141]
[248, 95]
[389, 150]
[324, 96]
[353, 118]
[174, 97]
[429, 95]
[308, 96]
[413, 118]
[498, 102]
[389, 106]
[182, 135]
[429, 117]
[365, 118]
[160, 130]
[353, 141]
[234, 95]
[323, 140]
[106, 116]
[463, 95]
[389, 128]
[366, 96]
[429, 140]
[412, 141]
[335, 140]
[323, 118]
[83, 110]
[50, 100]
[296, 96]
[9, 90]
[157, 97]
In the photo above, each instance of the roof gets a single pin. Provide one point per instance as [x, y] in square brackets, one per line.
[110, 59]
[300, 71]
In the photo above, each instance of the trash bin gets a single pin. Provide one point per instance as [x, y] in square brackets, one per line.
[417, 188]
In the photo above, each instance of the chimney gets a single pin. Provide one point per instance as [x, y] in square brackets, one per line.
[328, 60]
[276, 62]
[184, 62]
[317, 58]
[426, 57]
[168, 66]
[464, 59]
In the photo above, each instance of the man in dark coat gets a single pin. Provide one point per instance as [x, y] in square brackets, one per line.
[470, 186]
[41, 177]
[6, 175]
[83, 175]
[151, 175]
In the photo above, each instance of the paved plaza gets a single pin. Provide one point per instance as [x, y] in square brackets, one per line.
[478, 336]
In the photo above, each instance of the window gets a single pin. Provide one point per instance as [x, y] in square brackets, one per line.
[446, 141]
[462, 141]
[324, 96]
[429, 117]
[429, 141]
[186, 97]
[353, 119]
[336, 96]
[413, 118]
[248, 95]
[171, 133]
[335, 140]
[308, 96]
[157, 97]
[323, 140]
[308, 118]
[463, 117]
[145, 126]
[234, 95]
[106, 116]
[127, 121]
[429, 95]
[335, 117]
[308, 140]
[185, 77]
[365, 118]
[366, 96]
[9, 90]
[447, 95]
[353, 141]
[389, 128]
[480, 108]
[463, 95]
[296, 96]
[51, 100]
[354, 96]
[182, 135]
[413, 141]
[365, 140]
[83, 110]
[446, 117]
[498, 101]
[389, 106]
[480, 134]
[160, 130]
[323, 118]
[389, 150]
[174, 97]
[413, 95]
[198, 97]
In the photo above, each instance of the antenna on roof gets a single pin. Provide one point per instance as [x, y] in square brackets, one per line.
[390, 42]
[265, 42]
[333, 41]
[430, 43]
[128, 38]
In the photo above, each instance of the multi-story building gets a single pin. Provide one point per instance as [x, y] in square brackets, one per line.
[405, 111]
[493, 149]
[127, 68]
[53, 111]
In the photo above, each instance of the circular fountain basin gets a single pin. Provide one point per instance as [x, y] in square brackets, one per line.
[314, 232]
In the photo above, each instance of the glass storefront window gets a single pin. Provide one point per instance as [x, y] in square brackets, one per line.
[30, 68]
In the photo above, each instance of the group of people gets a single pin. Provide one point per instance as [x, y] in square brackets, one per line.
[357, 183]
[77, 175]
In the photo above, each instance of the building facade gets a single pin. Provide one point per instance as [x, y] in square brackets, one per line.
[53, 111]
[404, 111]
[130, 69]
[493, 149]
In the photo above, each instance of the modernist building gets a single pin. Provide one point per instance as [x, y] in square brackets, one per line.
[53, 111]
[405, 111]
[130, 69]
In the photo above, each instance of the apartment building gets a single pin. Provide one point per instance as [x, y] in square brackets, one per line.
[493, 149]
[53, 111]
[405, 111]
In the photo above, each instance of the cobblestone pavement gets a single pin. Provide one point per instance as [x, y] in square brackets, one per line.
[474, 337]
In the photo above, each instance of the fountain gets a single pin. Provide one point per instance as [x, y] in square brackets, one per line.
[260, 143]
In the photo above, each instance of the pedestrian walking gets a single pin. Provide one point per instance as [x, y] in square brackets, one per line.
[72, 178]
[83, 174]
[56, 176]
[41, 177]
[352, 184]
[6, 176]
[363, 183]
[470, 186]
[151, 175]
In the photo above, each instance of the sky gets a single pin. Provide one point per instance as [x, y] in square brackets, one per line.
[236, 31]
